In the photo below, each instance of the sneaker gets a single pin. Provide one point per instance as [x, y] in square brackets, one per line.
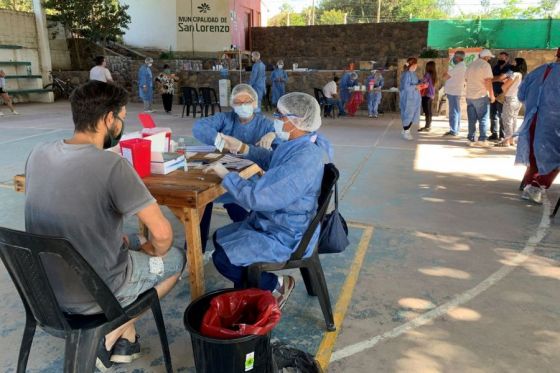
[125, 351]
[15, 112]
[375, 116]
[449, 133]
[532, 193]
[482, 144]
[282, 295]
[406, 135]
[493, 137]
[342, 114]
[103, 362]
[370, 116]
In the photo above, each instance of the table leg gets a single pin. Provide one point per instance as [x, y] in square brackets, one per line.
[191, 222]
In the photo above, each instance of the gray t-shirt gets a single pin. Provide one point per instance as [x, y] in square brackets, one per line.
[82, 193]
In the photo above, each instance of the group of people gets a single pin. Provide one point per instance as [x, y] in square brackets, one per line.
[75, 181]
[338, 93]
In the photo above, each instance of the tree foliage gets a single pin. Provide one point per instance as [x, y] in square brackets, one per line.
[97, 20]
[332, 17]
[19, 5]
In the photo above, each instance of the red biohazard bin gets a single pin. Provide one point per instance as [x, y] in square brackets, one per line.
[138, 153]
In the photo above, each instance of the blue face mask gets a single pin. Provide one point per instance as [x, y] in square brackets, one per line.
[244, 111]
[279, 129]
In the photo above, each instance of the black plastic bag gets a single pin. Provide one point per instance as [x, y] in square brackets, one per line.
[334, 231]
[289, 359]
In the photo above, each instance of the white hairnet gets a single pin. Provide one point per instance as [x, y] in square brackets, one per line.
[304, 107]
[256, 54]
[243, 88]
[149, 60]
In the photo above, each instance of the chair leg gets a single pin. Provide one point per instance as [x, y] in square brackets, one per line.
[25, 348]
[254, 276]
[556, 208]
[81, 350]
[323, 293]
[158, 317]
[308, 281]
[194, 111]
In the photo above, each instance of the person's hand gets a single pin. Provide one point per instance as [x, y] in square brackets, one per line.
[232, 144]
[492, 99]
[218, 169]
[266, 140]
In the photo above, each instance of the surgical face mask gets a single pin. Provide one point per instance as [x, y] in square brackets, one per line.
[111, 139]
[279, 129]
[244, 111]
[149, 65]
[280, 66]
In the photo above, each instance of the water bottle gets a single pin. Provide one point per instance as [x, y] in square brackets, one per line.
[181, 146]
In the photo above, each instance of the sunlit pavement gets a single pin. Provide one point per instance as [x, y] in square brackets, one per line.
[460, 274]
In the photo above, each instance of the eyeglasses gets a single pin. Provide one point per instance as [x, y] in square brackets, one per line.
[279, 115]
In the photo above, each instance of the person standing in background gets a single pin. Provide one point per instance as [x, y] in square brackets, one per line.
[279, 79]
[348, 80]
[374, 83]
[496, 122]
[100, 71]
[4, 94]
[258, 77]
[512, 105]
[454, 87]
[166, 86]
[410, 101]
[146, 84]
[428, 94]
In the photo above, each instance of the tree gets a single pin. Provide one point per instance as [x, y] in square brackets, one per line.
[332, 17]
[19, 5]
[288, 16]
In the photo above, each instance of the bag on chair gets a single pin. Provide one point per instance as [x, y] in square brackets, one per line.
[334, 231]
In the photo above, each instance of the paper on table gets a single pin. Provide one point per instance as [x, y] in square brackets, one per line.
[212, 156]
[219, 142]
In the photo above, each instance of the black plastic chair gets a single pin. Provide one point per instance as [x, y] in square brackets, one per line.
[323, 104]
[190, 101]
[209, 99]
[310, 268]
[24, 255]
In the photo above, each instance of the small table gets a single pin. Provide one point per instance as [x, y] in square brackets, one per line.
[186, 194]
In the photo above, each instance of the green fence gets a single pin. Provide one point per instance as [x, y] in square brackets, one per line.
[495, 33]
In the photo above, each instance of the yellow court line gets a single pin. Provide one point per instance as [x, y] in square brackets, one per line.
[326, 347]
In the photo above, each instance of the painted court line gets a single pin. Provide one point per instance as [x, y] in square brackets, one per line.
[31, 136]
[326, 347]
[467, 296]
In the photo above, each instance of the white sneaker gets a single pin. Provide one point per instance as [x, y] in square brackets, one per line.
[533, 193]
[406, 135]
[481, 144]
[15, 112]
[1, 114]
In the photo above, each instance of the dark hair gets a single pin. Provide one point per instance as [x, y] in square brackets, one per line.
[504, 53]
[93, 101]
[166, 66]
[336, 79]
[520, 66]
[410, 62]
[99, 60]
[431, 69]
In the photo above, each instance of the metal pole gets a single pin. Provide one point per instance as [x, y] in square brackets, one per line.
[313, 13]
[378, 11]
[45, 62]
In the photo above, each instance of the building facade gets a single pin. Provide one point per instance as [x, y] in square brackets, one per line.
[192, 25]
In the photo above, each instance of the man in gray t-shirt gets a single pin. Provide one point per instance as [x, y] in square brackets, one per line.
[76, 190]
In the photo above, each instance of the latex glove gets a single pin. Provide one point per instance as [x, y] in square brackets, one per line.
[218, 169]
[266, 140]
[232, 144]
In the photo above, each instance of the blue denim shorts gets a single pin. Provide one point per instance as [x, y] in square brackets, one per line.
[139, 278]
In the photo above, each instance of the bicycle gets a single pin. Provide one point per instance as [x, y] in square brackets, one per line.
[60, 88]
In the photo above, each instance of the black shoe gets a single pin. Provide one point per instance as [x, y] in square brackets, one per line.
[125, 351]
[449, 133]
[493, 137]
[342, 114]
[424, 129]
[103, 362]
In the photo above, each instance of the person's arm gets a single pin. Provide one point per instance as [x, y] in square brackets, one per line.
[108, 75]
[490, 89]
[508, 83]
[161, 233]
[407, 84]
[206, 129]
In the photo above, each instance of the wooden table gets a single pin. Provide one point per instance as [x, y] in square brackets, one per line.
[186, 194]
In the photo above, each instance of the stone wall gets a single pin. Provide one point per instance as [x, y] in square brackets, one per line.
[335, 46]
[18, 28]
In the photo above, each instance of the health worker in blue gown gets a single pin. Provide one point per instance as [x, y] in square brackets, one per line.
[410, 100]
[279, 79]
[258, 77]
[282, 202]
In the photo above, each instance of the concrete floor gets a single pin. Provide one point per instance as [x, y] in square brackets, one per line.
[458, 273]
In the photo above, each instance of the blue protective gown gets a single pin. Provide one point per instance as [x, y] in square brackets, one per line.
[145, 78]
[206, 129]
[374, 97]
[258, 80]
[345, 83]
[282, 203]
[410, 100]
[541, 99]
[279, 78]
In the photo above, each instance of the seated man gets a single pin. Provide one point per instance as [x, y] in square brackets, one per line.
[242, 124]
[76, 190]
[330, 92]
[282, 202]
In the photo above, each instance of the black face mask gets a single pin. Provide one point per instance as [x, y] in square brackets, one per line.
[501, 62]
[111, 139]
